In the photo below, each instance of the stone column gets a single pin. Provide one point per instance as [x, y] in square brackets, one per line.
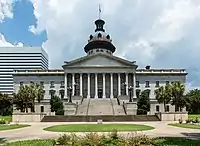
[88, 96]
[65, 86]
[73, 82]
[126, 84]
[111, 85]
[81, 85]
[96, 86]
[104, 86]
[134, 86]
[119, 85]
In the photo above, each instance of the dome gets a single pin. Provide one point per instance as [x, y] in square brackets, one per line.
[100, 39]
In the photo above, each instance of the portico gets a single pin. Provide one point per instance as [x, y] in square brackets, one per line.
[99, 85]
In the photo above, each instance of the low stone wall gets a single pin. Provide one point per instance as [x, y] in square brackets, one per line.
[27, 117]
[172, 116]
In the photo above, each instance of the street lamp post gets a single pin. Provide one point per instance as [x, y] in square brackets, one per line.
[70, 94]
[125, 84]
[130, 91]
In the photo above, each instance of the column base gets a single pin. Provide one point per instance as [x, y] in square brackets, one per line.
[104, 96]
[111, 96]
[96, 96]
[88, 96]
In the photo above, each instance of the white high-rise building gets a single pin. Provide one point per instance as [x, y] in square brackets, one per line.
[19, 58]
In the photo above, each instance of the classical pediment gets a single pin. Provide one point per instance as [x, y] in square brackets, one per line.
[99, 60]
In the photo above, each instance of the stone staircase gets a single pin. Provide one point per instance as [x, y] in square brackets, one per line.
[100, 107]
[118, 109]
[82, 108]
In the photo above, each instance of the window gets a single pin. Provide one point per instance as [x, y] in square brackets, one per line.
[157, 83]
[157, 108]
[97, 50]
[52, 84]
[42, 83]
[137, 84]
[147, 84]
[101, 50]
[52, 92]
[31, 82]
[167, 110]
[21, 83]
[62, 84]
[41, 109]
[62, 93]
[167, 82]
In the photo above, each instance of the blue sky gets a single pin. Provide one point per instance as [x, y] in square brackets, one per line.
[160, 33]
[16, 29]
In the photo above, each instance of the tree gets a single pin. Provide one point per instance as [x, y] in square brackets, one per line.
[144, 102]
[5, 104]
[23, 99]
[56, 105]
[178, 98]
[37, 93]
[26, 96]
[193, 101]
[163, 95]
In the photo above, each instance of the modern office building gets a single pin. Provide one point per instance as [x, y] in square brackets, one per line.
[22, 59]
[99, 80]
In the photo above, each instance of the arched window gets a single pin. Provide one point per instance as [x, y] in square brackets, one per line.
[99, 35]
[157, 108]
[167, 108]
[108, 37]
[91, 37]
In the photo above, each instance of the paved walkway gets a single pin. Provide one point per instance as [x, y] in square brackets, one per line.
[35, 131]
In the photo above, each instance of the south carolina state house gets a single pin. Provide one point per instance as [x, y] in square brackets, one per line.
[99, 76]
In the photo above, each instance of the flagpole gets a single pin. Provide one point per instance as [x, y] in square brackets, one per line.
[99, 11]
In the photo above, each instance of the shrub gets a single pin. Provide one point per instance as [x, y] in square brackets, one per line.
[188, 121]
[180, 121]
[140, 140]
[2, 121]
[113, 139]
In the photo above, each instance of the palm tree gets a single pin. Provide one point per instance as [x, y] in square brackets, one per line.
[179, 100]
[163, 95]
[36, 93]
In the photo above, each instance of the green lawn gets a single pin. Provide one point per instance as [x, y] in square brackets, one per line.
[190, 116]
[191, 126]
[97, 127]
[6, 118]
[159, 141]
[13, 126]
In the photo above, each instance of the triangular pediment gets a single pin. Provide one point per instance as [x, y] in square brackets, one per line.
[99, 60]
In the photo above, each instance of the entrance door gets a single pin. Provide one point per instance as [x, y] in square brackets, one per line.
[100, 93]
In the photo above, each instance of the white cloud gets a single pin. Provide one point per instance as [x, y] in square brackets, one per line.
[162, 33]
[6, 9]
[3, 42]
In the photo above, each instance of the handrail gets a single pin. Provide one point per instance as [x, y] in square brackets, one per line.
[124, 108]
[82, 99]
[118, 101]
[88, 107]
[112, 106]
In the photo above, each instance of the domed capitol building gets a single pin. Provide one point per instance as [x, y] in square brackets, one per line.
[100, 83]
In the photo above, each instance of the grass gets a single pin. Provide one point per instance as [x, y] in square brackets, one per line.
[13, 126]
[183, 125]
[194, 116]
[31, 143]
[7, 118]
[97, 127]
[159, 141]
